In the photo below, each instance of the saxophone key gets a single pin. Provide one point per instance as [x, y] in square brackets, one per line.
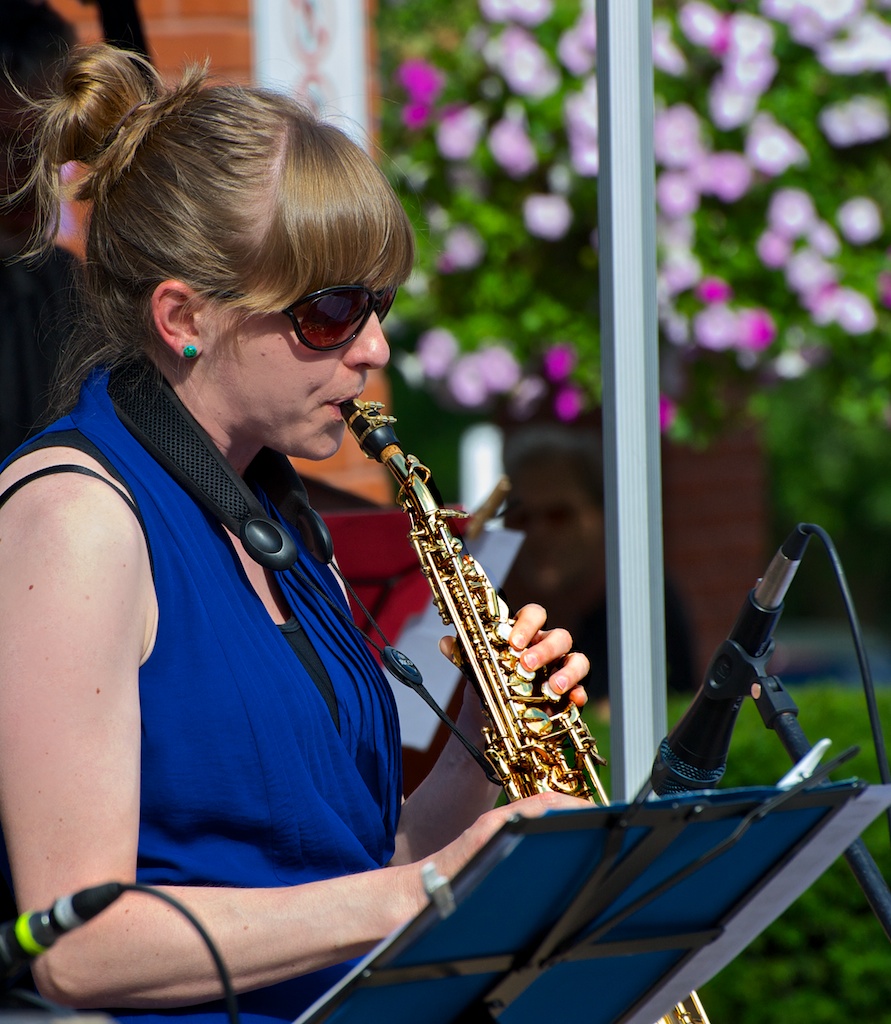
[537, 721]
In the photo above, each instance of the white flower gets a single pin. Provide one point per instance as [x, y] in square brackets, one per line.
[771, 148]
[547, 216]
[866, 48]
[859, 220]
[791, 212]
[860, 119]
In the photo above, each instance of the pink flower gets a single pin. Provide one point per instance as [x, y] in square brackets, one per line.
[850, 309]
[772, 149]
[755, 329]
[459, 132]
[715, 327]
[791, 212]
[676, 194]
[547, 216]
[524, 12]
[676, 139]
[499, 368]
[729, 105]
[667, 56]
[865, 47]
[568, 402]
[860, 220]
[860, 119]
[704, 26]
[525, 65]
[511, 146]
[773, 249]
[726, 175]
[577, 47]
[559, 361]
[855, 313]
[812, 24]
[668, 412]
[582, 129]
[713, 289]
[466, 383]
[822, 239]
[436, 350]
[679, 270]
[884, 288]
[463, 250]
[422, 81]
[416, 115]
[808, 273]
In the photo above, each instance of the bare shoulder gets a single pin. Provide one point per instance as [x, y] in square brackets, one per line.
[58, 494]
[66, 534]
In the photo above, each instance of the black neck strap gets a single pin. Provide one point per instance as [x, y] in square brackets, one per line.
[152, 412]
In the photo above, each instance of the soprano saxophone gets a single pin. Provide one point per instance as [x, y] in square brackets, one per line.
[535, 740]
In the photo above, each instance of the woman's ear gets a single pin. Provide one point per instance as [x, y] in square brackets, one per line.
[174, 311]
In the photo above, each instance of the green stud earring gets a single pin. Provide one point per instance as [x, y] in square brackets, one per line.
[189, 352]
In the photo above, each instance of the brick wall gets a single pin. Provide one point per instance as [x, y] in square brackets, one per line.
[179, 31]
[714, 506]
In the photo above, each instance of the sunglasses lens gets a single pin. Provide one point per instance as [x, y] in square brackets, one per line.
[329, 319]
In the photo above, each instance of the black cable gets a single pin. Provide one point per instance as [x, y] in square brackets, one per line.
[222, 970]
[860, 650]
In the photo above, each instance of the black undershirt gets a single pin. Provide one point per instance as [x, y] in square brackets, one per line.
[300, 643]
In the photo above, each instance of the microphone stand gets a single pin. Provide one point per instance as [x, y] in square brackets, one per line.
[737, 672]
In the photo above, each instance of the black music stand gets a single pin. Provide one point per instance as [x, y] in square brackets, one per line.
[609, 914]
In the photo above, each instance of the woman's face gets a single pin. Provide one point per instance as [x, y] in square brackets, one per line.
[264, 387]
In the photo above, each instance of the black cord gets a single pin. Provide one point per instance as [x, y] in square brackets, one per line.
[222, 970]
[412, 680]
[860, 650]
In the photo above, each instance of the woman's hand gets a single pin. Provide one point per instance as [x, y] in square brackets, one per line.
[451, 858]
[540, 646]
[551, 647]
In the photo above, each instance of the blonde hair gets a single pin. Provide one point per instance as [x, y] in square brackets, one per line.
[241, 193]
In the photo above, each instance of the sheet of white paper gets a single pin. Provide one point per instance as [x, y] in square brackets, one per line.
[495, 550]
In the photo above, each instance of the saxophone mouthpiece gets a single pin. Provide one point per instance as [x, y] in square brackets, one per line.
[368, 424]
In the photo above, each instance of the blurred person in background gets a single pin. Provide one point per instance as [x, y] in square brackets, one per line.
[35, 296]
[556, 499]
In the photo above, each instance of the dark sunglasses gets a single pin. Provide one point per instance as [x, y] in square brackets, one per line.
[333, 317]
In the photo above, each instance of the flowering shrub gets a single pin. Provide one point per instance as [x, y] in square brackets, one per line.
[773, 196]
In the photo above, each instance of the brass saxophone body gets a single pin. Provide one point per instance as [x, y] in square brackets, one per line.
[535, 740]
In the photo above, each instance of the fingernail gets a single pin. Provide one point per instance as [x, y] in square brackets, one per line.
[530, 660]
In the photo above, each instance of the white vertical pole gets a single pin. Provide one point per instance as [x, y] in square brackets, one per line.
[626, 200]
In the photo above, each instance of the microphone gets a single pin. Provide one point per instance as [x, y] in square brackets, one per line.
[32, 933]
[694, 754]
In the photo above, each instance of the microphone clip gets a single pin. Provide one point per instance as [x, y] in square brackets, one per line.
[733, 671]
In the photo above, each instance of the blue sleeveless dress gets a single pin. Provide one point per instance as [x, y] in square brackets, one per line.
[246, 781]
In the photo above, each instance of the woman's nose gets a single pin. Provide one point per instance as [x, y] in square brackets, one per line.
[370, 348]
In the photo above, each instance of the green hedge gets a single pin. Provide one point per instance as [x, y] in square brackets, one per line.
[826, 959]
